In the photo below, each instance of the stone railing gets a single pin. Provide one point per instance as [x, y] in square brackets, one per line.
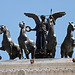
[38, 67]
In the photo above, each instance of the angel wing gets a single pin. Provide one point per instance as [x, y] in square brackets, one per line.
[58, 15]
[35, 17]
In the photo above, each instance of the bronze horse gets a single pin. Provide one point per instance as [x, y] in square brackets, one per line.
[25, 43]
[51, 37]
[51, 40]
[8, 45]
[68, 43]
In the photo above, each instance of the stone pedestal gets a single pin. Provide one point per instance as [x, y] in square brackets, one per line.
[38, 67]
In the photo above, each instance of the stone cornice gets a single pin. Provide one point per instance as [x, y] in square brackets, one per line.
[39, 66]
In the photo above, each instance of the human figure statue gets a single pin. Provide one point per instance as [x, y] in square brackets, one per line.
[25, 43]
[69, 42]
[8, 45]
[41, 32]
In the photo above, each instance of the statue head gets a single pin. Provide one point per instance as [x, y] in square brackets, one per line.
[71, 26]
[52, 18]
[2, 29]
[22, 24]
[42, 17]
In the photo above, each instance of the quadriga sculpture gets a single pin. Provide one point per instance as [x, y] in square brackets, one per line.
[41, 34]
[8, 45]
[25, 43]
[68, 43]
[51, 37]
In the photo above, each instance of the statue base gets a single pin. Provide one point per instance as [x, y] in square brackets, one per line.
[40, 54]
[51, 66]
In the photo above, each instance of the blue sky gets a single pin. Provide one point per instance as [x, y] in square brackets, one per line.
[12, 12]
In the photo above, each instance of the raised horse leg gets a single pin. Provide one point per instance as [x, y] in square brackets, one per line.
[2, 48]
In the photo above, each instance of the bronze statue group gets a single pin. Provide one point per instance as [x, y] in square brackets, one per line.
[45, 46]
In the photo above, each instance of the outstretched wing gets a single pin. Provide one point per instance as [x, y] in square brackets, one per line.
[35, 17]
[58, 15]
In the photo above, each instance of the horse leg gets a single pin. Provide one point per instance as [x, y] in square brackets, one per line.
[50, 54]
[21, 53]
[11, 57]
[11, 46]
[10, 50]
[33, 53]
[27, 56]
[70, 54]
[47, 53]
[26, 51]
[61, 56]
[53, 52]
[66, 54]
[20, 56]
[2, 48]
[62, 51]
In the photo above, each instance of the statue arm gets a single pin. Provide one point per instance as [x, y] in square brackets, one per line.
[34, 29]
[30, 29]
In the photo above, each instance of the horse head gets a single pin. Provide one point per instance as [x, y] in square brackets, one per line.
[22, 24]
[52, 20]
[71, 26]
[2, 29]
[56, 15]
